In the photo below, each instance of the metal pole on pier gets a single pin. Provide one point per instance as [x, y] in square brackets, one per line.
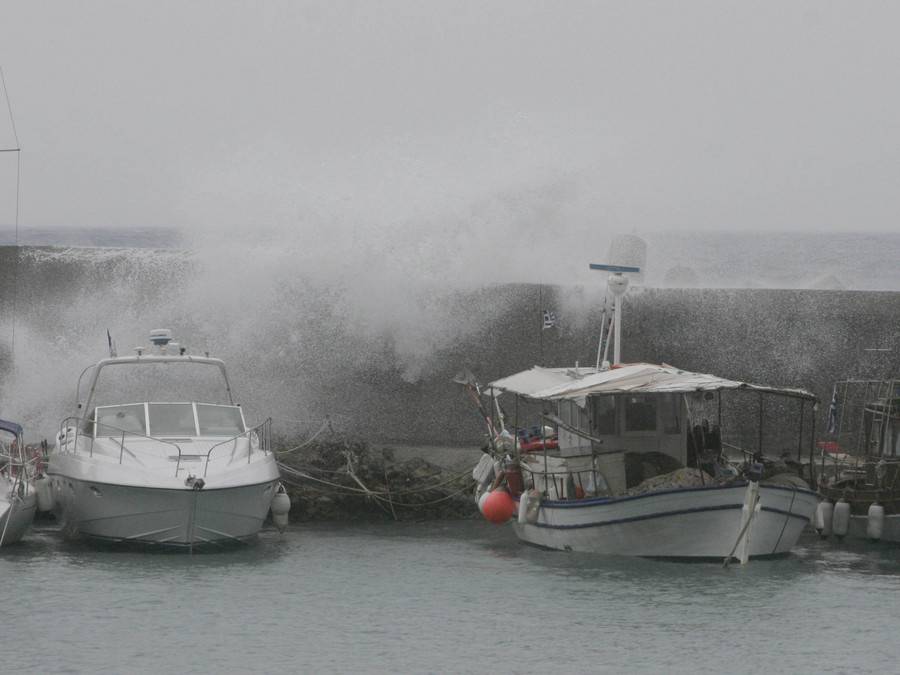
[541, 324]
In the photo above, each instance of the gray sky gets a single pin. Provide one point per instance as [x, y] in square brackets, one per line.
[630, 116]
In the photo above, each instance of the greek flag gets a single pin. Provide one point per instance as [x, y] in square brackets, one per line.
[112, 344]
[549, 319]
[832, 413]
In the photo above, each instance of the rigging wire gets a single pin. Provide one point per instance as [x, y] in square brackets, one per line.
[12, 120]
[17, 150]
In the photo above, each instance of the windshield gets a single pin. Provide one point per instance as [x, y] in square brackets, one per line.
[8, 442]
[114, 419]
[219, 420]
[170, 419]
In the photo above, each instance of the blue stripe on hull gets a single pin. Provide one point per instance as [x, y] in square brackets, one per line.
[581, 503]
[664, 514]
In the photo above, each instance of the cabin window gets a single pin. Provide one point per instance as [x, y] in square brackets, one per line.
[640, 412]
[172, 419]
[671, 408]
[113, 420]
[573, 414]
[219, 420]
[604, 409]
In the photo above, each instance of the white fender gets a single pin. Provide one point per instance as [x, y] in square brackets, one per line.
[524, 498]
[841, 521]
[483, 469]
[824, 518]
[281, 506]
[875, 522]
[481, 501]
[534, 506]
[44, 491]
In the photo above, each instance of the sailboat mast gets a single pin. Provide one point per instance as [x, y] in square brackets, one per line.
[17, 149]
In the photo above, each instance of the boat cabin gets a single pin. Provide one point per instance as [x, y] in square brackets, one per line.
[609, 429]
[881, 422]
[630, 422]
[607, 425]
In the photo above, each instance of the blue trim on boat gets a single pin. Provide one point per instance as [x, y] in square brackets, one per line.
[11, 427]
[664, 514]
[579, 503]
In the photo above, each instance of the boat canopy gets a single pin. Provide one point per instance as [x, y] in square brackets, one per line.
[11, 427]
[644, 378]
[529, 382]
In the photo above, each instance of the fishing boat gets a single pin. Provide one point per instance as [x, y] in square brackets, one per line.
[18, 500]
[159, 454]
[629, 459]
[859, 477]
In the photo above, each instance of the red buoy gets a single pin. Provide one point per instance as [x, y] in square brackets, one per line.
[498, 507]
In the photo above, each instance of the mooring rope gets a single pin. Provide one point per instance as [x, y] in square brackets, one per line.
[325, 425]
[297, 474]
[429, 503]
[301, 473]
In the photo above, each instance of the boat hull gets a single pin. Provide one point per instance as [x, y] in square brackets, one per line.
[16, 517]
[177, 518]
[698, 523]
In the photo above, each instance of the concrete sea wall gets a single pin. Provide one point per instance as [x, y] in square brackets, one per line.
[305, 359]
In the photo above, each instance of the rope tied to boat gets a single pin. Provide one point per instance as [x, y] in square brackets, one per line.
[325, 425]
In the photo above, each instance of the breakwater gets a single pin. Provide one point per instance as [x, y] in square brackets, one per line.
[298, 351]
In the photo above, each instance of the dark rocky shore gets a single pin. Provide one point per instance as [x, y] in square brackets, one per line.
[345, 479]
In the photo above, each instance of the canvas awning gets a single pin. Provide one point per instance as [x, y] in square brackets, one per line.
[644, 378]
[528, 382]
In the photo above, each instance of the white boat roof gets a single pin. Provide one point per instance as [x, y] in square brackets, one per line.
[538, 378]
[645, 378]
[143, 359]
[160, 358]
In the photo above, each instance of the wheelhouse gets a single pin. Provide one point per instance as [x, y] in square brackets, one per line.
[599, 428]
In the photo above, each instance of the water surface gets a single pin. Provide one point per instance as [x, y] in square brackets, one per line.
[443, 597]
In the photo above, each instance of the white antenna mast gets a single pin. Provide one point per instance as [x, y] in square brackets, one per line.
[618, 285]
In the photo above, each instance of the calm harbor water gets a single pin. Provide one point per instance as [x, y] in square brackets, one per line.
[442, 597]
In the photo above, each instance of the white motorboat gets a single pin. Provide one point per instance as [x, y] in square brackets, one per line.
[169, 468]
[18, 500]
[571, 478]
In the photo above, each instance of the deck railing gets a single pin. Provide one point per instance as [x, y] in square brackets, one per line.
[590, 480]
[261, 432]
